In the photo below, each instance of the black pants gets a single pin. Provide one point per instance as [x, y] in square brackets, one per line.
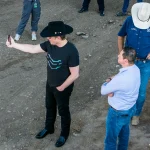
[54, 99]
[86, 3]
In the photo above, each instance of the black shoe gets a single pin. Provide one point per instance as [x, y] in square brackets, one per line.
[82, 10]
[120, 14]
[43, 133]
[102, 13]
[60, 142]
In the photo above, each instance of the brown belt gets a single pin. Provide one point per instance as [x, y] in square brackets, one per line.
[141, 59]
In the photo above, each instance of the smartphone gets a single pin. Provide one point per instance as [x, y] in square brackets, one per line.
[9, 39]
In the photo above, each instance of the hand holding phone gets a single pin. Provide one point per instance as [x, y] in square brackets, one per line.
[9, 39]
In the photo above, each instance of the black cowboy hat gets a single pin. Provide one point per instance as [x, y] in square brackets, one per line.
[56, 28]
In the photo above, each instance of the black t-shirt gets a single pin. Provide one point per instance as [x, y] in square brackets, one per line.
[59, 59]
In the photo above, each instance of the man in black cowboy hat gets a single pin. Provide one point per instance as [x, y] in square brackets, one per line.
[62, 71]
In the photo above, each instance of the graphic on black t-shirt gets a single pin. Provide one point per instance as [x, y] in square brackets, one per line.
[53, 64]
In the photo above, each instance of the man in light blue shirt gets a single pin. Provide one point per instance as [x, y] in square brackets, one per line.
[122, 91]
[135, 33]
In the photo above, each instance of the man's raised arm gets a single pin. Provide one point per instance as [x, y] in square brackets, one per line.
[28, 48]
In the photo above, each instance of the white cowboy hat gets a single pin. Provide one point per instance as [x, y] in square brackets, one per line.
[141, 15]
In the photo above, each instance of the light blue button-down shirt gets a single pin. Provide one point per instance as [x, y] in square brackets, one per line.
[125, 86]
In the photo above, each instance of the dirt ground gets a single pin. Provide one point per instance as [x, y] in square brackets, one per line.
[23, 78]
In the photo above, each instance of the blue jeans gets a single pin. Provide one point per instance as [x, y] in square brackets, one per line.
[126, 4]
[28, 9]
[117, 128]
[145, 74]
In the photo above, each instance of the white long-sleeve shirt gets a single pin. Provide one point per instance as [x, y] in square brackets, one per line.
[125, 86]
